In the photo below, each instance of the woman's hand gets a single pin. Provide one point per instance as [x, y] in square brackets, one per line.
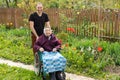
[54, 50]
[41, 49]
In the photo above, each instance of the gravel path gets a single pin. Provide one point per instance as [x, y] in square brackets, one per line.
[30, 67]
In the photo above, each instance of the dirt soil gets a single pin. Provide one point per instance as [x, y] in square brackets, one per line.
[113, 69]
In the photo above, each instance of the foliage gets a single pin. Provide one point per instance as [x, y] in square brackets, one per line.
[112, 77]
[89, 56]
[9, 3]
[84, 56]
[28, 6]
[15, 44]
[82, 28]
[9, 25]
[76, 4]
[14, 73]
[114, 52]
[52, 4]
[63, 36]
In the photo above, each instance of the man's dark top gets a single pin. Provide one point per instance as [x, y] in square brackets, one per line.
[39, 22]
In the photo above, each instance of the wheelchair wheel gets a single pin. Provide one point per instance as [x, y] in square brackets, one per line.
[63, 75]
[60, 75]
[37, 65]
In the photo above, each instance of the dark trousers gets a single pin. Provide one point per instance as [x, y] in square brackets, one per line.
[52, 76]
[33, 37]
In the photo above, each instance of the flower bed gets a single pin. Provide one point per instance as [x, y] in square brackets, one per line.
[84, 56]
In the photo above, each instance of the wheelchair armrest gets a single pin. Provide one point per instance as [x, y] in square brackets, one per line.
[40, 55]
[39, 52]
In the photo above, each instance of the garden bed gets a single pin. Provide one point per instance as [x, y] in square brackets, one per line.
[84, 56]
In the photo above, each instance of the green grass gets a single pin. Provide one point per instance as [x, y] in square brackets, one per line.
[15, 44]
[14, 73]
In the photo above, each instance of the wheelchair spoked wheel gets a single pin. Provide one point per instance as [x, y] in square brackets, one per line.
[37, 65]
[63, 75]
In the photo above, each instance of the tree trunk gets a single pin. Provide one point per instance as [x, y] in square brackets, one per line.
[7, 3]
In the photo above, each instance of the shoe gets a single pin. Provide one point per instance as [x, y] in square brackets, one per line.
[52, 76]
[43, 78]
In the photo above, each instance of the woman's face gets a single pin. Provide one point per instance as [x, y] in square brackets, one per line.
[48, 32]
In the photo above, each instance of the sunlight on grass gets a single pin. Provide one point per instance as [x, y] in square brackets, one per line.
[14, 73]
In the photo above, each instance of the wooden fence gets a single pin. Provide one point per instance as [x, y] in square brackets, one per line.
[92, 22]
[11, 15]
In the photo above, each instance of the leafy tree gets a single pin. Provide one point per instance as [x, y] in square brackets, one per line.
[110, 4]
[9, 3]
[76, 4]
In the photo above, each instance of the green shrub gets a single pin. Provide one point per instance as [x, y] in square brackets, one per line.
[115, 52]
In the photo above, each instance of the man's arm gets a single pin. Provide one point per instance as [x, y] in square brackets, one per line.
[48, 24]
[32, 29]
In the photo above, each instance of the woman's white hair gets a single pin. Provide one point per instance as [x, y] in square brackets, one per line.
[46, 28]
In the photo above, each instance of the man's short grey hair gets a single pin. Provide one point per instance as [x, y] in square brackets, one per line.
[39, 3]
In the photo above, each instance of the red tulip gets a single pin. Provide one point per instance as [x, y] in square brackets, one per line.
[99, 49]
[71, 30]
[60, 41]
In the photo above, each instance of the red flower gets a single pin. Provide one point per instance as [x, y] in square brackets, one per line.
[99, 49]
[60, 41]
[66, 45]
[71, 30]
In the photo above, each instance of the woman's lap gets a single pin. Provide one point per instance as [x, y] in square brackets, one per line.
[53, 61]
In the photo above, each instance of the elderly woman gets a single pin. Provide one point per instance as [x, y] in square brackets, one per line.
[53, 61]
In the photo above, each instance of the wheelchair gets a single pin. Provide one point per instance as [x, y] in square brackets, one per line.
[38, 68]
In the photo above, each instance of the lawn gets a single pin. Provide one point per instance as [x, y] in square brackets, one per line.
[15, 44]
[14, 73]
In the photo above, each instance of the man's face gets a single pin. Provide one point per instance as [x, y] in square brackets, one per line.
[39, 8]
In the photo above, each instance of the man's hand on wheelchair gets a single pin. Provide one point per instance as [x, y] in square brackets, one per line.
[41, 49]
[54, 50]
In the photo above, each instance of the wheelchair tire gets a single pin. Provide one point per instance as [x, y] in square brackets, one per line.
[37, 66]
[61, 75]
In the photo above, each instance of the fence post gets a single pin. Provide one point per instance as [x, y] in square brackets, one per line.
[116, 30]
[15, 17]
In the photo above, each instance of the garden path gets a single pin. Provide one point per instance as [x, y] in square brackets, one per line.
[30, 67]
